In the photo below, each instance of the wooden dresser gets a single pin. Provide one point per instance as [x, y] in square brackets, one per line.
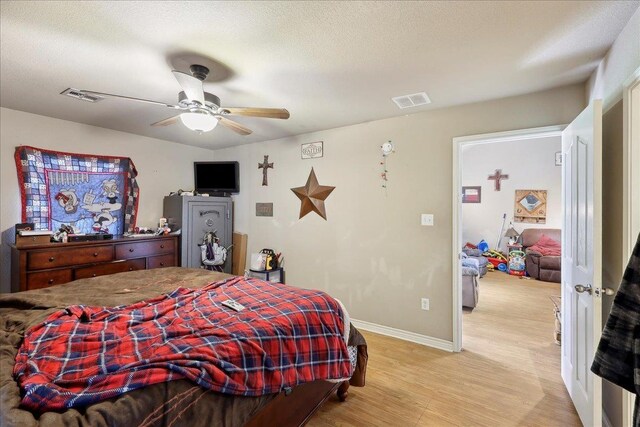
[42, 265]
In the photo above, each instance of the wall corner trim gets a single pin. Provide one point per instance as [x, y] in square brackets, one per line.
[437, 343]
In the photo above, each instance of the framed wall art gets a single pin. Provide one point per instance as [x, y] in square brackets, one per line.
[91, 193]
[530, 206]
[472, 194]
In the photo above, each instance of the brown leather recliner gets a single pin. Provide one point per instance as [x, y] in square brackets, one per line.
[538, 266]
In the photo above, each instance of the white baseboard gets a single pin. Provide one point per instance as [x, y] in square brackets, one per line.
[438, 343]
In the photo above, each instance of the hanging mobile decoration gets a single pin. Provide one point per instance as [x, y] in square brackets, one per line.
[386, 149]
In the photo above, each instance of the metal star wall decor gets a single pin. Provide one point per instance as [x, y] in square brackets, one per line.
[265, 167]
[312, 196]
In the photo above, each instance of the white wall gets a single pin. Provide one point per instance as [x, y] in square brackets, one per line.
[372, 253]
[620, 62]
[162, 166]
[530, 165]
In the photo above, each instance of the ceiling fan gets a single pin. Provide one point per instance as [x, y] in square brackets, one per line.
[200, 110]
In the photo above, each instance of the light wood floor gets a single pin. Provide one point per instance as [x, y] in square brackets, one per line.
[508, 374]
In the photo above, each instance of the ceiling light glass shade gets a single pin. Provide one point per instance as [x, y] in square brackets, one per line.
[200, 122]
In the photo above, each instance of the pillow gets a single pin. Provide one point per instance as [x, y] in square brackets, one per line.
[472, 252]
[547, 246]
[471, 262]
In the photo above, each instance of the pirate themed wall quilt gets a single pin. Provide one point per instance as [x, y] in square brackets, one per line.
[92, 194]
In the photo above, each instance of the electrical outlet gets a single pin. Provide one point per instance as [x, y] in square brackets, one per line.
[425, 303]
[426, 219]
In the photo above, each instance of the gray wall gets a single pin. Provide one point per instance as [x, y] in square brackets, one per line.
[162, 166]
[372, 253]
[606, 83]
[612, 233]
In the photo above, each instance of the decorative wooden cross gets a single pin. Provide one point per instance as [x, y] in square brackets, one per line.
[497, 177]
[265, 165]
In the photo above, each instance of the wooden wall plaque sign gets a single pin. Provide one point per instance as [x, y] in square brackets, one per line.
[264, 209]
[530, 206]
[312, 150]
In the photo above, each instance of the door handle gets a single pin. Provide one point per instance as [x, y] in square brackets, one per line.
[583, 288]
[605, 291]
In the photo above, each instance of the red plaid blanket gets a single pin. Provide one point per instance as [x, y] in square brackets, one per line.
[285, 336]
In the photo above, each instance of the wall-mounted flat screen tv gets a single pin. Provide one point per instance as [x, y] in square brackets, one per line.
[217, 177]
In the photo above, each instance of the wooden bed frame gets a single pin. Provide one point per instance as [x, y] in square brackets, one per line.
[296, 408]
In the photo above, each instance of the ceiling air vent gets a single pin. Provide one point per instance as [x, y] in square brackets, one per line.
[78, 94]
[413, 100]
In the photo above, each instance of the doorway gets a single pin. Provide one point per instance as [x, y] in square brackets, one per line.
[517, 179]
[631, 189]
[497, 202]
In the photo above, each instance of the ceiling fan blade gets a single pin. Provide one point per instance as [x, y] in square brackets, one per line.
[191, 86]
[234, 126]
[168, 121]
[129, 98]
[270, 113]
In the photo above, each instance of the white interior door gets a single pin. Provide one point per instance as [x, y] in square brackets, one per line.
[581, 260]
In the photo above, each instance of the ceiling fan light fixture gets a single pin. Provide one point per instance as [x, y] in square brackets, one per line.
[199, 122]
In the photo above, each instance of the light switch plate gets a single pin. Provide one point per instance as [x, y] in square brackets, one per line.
[426, 219]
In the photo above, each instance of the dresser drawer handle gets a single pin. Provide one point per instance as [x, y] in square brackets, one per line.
[161, 246]
[162, 264]
[130, 249]
[95, 254]
[130, 268]
[94, 274]
[51, 259]
[51, 281]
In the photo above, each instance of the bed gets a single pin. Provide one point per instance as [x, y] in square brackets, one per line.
[169, 403]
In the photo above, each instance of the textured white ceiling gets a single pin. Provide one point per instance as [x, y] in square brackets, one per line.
[330, 63]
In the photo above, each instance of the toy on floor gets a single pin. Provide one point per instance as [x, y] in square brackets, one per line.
[497, 259]
[496, 254]
[517, 263]
[497, 262]
[483, 246]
